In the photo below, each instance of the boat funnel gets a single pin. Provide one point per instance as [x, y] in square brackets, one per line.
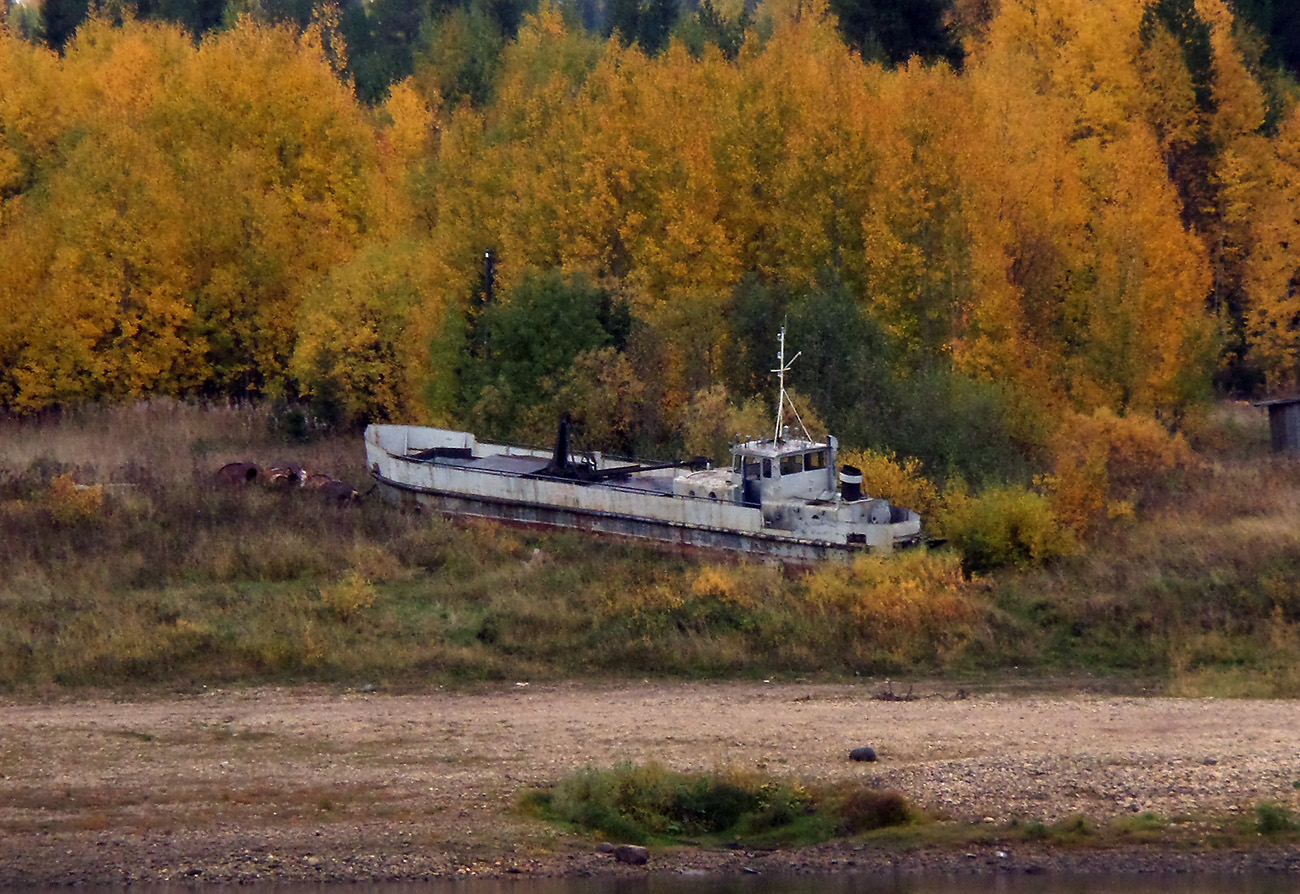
[851, 483]
[560, 455]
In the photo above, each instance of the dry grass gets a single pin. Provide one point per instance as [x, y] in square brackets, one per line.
[1205, 590]
[163, 440]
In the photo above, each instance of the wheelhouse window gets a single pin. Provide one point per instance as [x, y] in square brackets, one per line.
[792, 465]
[815, 460]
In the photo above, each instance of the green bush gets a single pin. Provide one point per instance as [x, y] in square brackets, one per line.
[1272, 819]
[640, 803]
[881, 397]
[1035, 830]
[1073, 828]
[961, 428]
[517, 349]
[1004, 526]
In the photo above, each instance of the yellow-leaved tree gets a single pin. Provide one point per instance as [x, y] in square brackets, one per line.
[364, 332]
[190, 196]
[97, 298]
[279, 163]
[1273, 270]
[1105, 293]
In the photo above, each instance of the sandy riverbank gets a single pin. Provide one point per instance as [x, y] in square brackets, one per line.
[319, 784]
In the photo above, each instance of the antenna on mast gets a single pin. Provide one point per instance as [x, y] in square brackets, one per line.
[782, 367]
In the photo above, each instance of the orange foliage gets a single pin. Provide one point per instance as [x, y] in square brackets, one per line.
[1103, 464]
[899, 602]
[71, 502]
[721, 582]
[901, 482]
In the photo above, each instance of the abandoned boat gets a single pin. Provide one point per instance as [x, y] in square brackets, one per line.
[777, 500]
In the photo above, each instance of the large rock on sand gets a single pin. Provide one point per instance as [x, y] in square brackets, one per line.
[631, 853]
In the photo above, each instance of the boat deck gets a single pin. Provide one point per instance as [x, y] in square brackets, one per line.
[503, 464]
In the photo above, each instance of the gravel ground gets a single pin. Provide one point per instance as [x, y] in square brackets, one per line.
[315, 784]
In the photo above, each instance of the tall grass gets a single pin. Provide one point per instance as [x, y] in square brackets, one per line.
[1206, 592]
[121, 562]
[161, 439]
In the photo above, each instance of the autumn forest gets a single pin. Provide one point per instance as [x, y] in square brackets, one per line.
[1079, 207]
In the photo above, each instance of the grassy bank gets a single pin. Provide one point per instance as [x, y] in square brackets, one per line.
[124, 562]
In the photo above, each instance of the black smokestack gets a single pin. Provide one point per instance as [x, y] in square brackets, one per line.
[851, 483]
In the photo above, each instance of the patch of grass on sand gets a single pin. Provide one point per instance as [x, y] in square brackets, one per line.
[1269, 823]
[1235, 830]
[649, 803]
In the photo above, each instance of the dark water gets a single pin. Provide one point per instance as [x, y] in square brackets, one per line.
[1261, 883]
[1273, 883]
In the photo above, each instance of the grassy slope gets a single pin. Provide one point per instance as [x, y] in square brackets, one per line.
[167, 578]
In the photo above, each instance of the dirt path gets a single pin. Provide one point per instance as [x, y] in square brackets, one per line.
[309, 783]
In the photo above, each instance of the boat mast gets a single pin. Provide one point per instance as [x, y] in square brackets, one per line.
[782, 367]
